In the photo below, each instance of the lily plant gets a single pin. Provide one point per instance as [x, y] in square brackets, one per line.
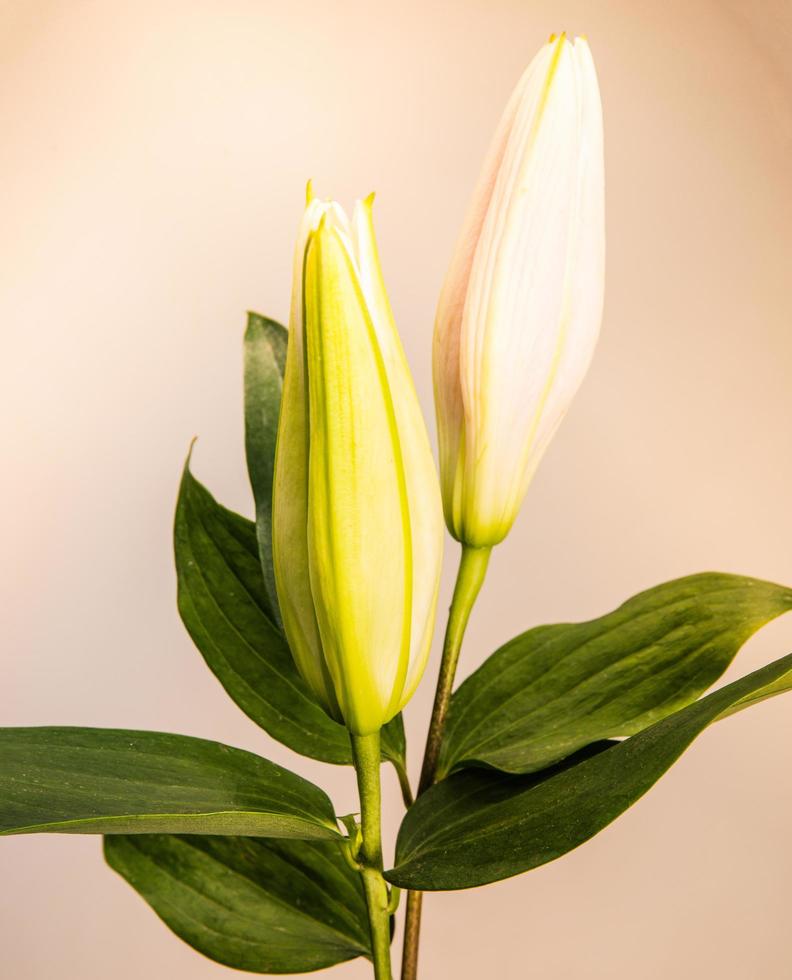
[317, 617]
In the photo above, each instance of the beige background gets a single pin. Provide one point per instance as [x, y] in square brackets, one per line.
[152, 164]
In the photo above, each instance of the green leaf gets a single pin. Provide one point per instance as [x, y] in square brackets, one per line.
[259, 905]
[393, 746]
[265, 360]
[481, 825]
[223, 603]
[554, 689]
[113, 781]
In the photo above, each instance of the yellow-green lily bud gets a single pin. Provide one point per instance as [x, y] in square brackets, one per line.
[520, 310]
[357, 517]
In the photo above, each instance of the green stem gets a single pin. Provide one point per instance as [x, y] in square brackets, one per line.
[470, 577]
[404, 785]
[366, 753]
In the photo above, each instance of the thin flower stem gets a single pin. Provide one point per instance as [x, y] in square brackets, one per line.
[404, 785]
[470, 577]
[366, 753]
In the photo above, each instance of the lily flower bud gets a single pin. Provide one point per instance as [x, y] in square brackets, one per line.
[357, 517]
[520, 309]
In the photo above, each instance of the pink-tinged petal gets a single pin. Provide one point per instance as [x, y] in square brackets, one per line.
[520, 311]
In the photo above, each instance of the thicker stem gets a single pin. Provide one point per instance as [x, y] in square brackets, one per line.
[366, 753]
[470, 577]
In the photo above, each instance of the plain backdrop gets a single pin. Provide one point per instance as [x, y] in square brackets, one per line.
[152, 168]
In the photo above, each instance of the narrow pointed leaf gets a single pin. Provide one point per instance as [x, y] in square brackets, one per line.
[259, 905]
[223, 603]
[394, 746]
[265, 358]
[554, 689]
[479, 825]
[114, 781]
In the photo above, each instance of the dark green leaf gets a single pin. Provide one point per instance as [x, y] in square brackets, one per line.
[394, 748]
[480, 825]
[259, 905]
[265, 359]
[554, 689]
[223, 603]
[113, 781]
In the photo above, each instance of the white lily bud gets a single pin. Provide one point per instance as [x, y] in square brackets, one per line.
[520, 310]
[357, 518]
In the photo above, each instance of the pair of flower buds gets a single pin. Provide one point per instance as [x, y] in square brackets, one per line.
[357, 506]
